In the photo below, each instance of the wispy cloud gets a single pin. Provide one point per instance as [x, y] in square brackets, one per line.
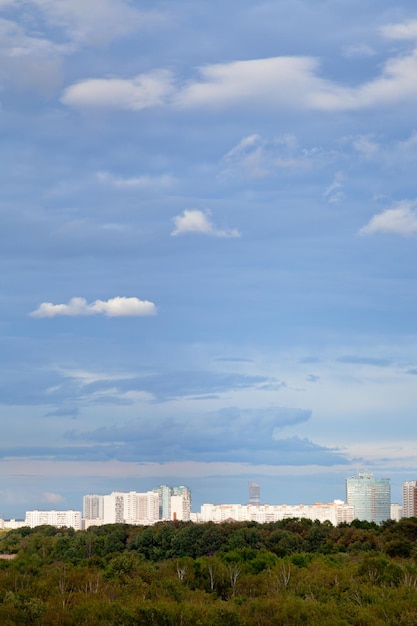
[51, 497]
[114, 307]
[365, 146]
[136, 182]
[259, 157]
[359, 50]
[91, 23]
[400, 220]
[199, 222]
[334, 192]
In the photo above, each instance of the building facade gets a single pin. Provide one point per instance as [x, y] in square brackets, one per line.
[254, 493]
[370, 497]
[60, 519]
[93, 507]
[164, 492]
[335, 512]
[410, 498]
[180, 504]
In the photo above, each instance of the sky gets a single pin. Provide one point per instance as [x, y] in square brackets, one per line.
[208, 228]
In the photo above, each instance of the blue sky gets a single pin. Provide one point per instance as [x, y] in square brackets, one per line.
[208, 226]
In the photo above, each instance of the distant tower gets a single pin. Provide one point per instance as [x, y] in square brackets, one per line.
[165, 494]
[371, 497]
[410, 498]
[254, 494]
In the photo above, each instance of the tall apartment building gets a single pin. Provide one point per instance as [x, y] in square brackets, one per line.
[164, 492]
[93, 507]
[130, 507]
[410, 498]
[254, 492]
[70, 519]
[371, 497]
[181, 504]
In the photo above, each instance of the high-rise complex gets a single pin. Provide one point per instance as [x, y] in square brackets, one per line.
[410, 498]
[119, 507]
[371, 497]
[254, 492]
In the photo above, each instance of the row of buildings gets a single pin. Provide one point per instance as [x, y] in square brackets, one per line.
[162, 503]
[367, 498]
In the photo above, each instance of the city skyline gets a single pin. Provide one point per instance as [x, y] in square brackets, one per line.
[208, 223]
[368, 496]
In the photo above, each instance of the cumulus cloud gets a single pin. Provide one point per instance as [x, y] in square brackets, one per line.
[195, 221]
[114, 307]
[399, 220]
[141, 92]
[404, 30]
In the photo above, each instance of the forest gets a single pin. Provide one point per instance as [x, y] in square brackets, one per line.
[288, 573]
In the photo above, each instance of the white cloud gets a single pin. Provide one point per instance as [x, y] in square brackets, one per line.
[400, 220]
[141, 92]
[137, 182]
[114, 307]
[249, 154]
[283, 82]
[365, 146]
[405, 30]
[272, 83]
[91, 22]
[27, 61]
[51, 498]
[360, 50]
[259, 157]
[195, 221]
[276, 81]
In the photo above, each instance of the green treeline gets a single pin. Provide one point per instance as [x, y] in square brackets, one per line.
[288, 573]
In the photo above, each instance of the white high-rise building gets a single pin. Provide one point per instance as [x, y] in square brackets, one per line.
[131, 507]
[396, 511]
[70, 519]
[181, 504]
[93, 507]
[113, 508]
[410, 498]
